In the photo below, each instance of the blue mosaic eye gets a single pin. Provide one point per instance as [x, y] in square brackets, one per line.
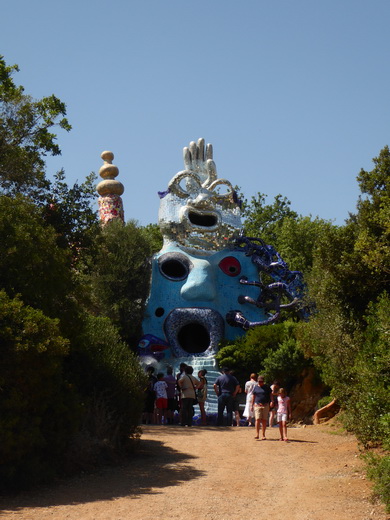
[174, 266]
[230, 266]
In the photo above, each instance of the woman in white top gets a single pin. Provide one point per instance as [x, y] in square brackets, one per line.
[283, 413]
[249, 386]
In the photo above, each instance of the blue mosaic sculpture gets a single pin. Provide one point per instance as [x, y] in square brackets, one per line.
[206, 281]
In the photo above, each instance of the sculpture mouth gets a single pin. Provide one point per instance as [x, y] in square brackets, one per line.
[203, 219]
[194, 331]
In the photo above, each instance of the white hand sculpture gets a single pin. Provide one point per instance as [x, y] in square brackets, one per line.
[200, 160]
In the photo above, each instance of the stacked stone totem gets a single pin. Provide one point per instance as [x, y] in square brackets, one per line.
[110, 191]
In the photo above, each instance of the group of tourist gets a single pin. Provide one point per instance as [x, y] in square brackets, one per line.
[167, 394]
[264, 402]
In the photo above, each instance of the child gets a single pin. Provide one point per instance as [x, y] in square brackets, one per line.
[236, 408]
[283, 414]
[160, 387]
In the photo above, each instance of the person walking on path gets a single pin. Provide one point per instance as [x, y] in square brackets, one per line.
[226, 387]
[236, 407]
[249, 386]
[274, 402]
[283, 414]
[188, 384]
[261, 398]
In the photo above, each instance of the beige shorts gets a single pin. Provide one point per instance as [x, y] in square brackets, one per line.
[261, 411]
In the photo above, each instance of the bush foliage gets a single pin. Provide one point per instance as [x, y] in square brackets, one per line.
[38, 407]
[107, 373]
[70, 387]
[273, 351]
[379, 472]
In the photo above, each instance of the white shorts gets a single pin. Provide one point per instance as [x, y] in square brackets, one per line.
[281, 417]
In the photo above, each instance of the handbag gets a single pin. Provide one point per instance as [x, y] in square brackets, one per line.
[194, 401]
[200, 393]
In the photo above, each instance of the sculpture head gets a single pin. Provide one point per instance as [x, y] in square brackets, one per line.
[192, 296]
[199, 212]
[206, 283]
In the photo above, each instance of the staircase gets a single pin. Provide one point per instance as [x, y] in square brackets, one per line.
[208, 363]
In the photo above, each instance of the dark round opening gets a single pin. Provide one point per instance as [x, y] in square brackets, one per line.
[159, 312]
[174, 269]
[199, 219]
[194, 338]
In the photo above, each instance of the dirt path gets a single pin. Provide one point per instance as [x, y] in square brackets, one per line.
[216, 473]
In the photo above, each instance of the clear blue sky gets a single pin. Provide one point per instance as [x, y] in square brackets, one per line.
[293, 95]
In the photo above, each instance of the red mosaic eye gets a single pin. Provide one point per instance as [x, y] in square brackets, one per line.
[230, 266]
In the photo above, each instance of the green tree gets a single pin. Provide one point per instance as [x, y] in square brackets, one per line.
[70, 389]
[121, 275]
[297, 241]
[273, 351]
[153, 234]
[263, 220]
[373, 217]
[31, 263]
[293, 236]
[26, 136]
[70, 212]
[347, 336]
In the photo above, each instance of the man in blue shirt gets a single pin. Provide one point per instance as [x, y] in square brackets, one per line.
[226, 387]
[261, 398]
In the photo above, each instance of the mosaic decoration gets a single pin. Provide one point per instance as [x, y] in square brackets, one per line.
[110, 207]
[206, 282]
[110, 191]
[285, 293]
[191, 296]
[199, 212]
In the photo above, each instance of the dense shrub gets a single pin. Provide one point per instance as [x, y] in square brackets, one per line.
[368, 408]
[38, 408]
[111, 381]
[273, 351]
[68, 385]
[379, 472]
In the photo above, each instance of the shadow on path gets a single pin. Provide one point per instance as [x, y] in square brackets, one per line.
[291, 441]
[153, 468]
